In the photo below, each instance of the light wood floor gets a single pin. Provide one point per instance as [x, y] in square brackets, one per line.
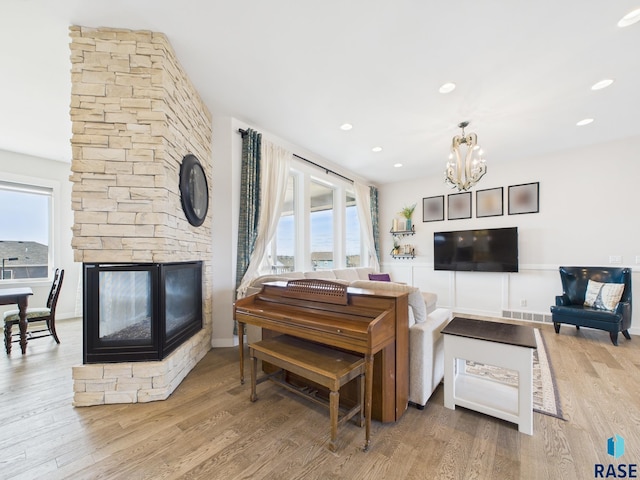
[209, 429]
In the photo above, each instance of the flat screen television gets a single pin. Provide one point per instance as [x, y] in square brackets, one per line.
[486, 250]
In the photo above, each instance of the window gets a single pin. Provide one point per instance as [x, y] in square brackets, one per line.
[284, 247]
[321, 222]
[352, 232]
[318, 228]
[26, 231]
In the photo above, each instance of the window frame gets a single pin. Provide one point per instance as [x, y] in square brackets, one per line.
[42, 186]
[364, 258]
[303, 175]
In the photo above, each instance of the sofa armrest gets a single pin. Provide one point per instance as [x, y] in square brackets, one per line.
[624, 309]
[430, 300]
[563, 300]
[426, 358]
[423, 338]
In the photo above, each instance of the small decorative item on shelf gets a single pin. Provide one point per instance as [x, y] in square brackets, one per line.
[396, 247]
[407, 213]
[409, 250]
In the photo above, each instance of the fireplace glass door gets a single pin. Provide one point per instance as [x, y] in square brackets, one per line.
[182, 292]
[125, 307]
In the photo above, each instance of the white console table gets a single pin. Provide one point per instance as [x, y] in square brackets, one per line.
[492, 343]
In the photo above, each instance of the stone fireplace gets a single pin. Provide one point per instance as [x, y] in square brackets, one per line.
[135, 115]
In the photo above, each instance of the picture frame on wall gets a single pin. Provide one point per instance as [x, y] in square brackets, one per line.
[433, 209]
[489, 202]
[459, 206]
[524, 198]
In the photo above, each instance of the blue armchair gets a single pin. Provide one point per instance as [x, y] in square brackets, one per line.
[570, 306]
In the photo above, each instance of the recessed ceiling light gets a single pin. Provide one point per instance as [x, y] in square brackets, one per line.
[630, 18]
[346, 126]
[602, 84]
[584, 121]
[447, 87]
[397, 165]
[376, 149]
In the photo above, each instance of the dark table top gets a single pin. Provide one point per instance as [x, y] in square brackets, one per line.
[519, 335]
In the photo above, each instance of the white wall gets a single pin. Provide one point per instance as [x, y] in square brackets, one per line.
[224, 205]
[588, 212]
[24, 168]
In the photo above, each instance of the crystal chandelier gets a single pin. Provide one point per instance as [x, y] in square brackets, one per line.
[465, 174]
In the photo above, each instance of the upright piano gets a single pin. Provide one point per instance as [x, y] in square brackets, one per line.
[369, 322]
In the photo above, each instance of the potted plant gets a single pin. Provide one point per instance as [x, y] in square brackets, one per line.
[407, 212]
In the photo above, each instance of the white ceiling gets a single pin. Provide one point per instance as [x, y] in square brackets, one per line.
[299, 69]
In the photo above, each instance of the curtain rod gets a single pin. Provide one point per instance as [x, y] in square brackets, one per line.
[326, 170]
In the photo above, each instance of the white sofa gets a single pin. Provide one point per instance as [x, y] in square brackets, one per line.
[426, 356]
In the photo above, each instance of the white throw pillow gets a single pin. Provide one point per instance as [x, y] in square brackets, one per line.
[294, 275]
[346, 274]
[416, 301]
[321, 274]
[363, 272]
[603, 296]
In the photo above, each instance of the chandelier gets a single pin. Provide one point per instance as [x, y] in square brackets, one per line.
[465, 174]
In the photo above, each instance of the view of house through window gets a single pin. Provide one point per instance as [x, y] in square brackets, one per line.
[321, 221]
[284, 247]
[24, 236]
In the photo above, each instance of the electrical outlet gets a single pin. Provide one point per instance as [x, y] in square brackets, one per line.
[615, 259]
[523, 303]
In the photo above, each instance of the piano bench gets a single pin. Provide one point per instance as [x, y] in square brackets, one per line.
[318, 363]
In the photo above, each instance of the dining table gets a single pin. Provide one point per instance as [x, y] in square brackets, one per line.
[19, 296]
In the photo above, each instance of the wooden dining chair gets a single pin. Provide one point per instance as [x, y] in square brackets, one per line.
[34, 314]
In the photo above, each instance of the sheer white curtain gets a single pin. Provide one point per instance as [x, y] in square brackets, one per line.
[363, 202]
[275, 165]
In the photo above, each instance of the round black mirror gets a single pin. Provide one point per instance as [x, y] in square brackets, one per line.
[194, 190]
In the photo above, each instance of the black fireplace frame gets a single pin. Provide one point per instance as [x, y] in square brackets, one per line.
[96, 350]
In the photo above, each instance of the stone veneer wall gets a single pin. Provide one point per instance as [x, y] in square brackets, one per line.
[135, 115]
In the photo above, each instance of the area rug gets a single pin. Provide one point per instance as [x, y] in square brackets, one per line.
[546, 399]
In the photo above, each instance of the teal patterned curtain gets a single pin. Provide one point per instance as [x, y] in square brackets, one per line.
[373, 192]
[249, 201]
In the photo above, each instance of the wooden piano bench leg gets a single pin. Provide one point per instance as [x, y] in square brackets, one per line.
[254, 372]
[334, 403]
[368, 382]
[360, 387]
[241, 351]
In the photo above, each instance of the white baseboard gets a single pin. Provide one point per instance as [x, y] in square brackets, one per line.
[224, 342]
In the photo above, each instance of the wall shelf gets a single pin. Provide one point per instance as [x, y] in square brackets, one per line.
[402, 233]
[404, 255]
[402, 250]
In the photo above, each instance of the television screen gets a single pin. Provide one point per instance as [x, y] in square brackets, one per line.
[487, 250]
